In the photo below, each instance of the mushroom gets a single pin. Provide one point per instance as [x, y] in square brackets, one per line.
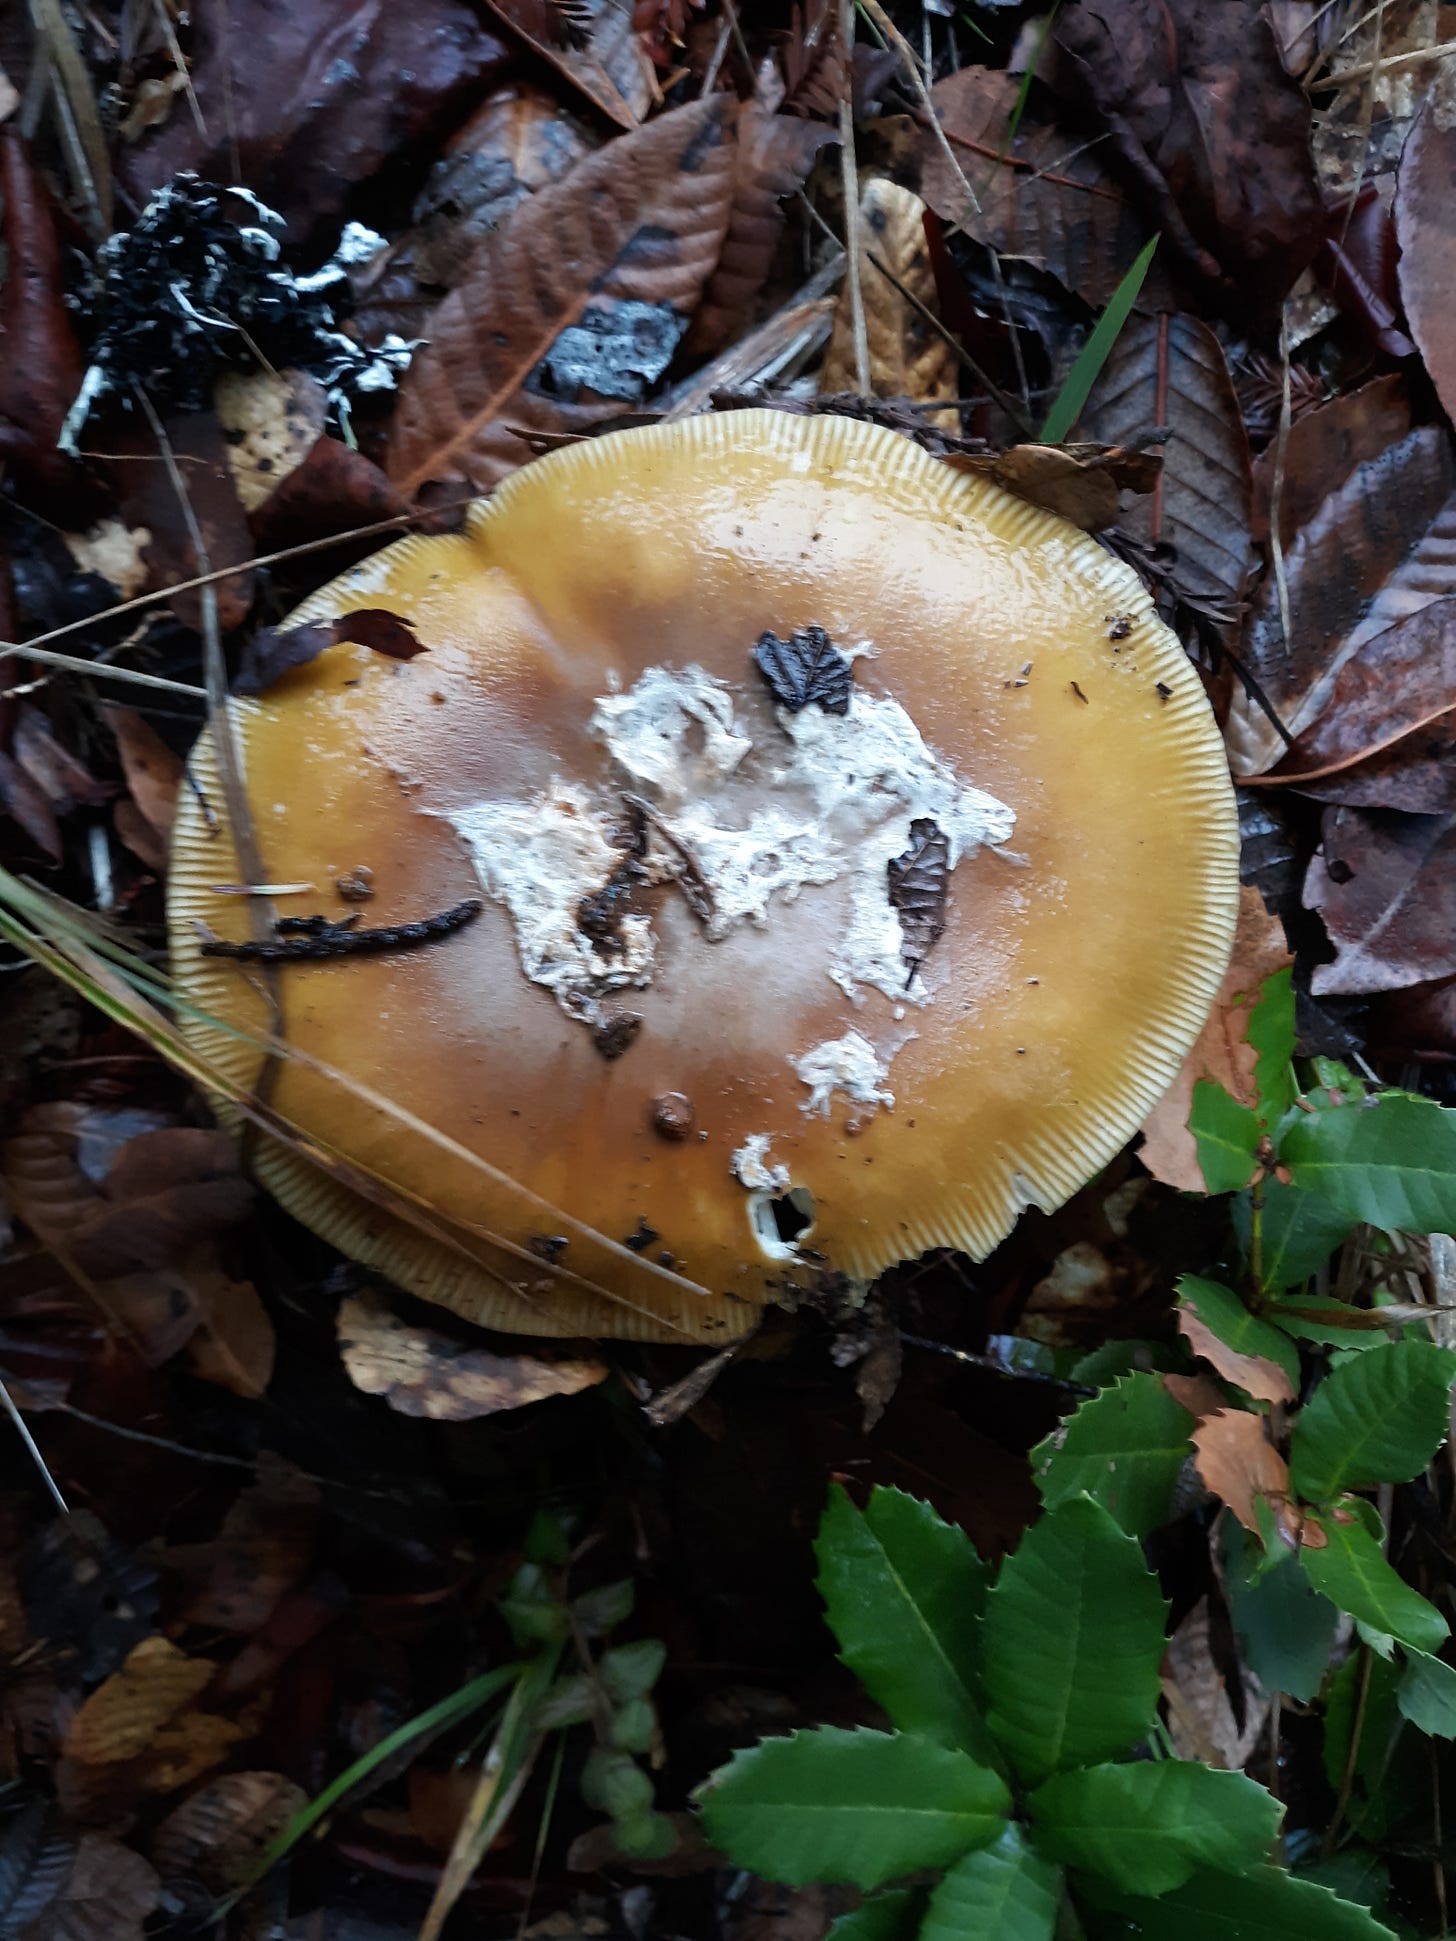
[855, 856]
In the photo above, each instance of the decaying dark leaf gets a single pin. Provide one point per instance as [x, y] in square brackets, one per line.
[310, 100]
[1425, 220]
[86, 1593]
[1201, 1718]
[640, 223]
[41, 366]
[1385, 885]
[919, 883]
[217, 1835]
[422, 1371]
[1169, 372]
[597, 52]
[1377, 550]
[1080, 482]
[335, 490]
[1323, 448]
[1044, 197]
[235, 1579]
[275, 651]
[24, 801]
[149, 500]
[153, 771]
[774, 154]
[1213, 135]
[36, 1856]
[805, 669]
[1359, 263]
[1384, 740]
[106, 1895]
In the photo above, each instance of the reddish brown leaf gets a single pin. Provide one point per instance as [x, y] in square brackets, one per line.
[24, 801]
[600, 54]
[640, 224]
[422, 1371]
[153, 772]
[812, 58]
[1238, 1463]
[1265, 1380]
[1222, 1052]
[1199, 1394]
[1425, 221]
[1044, 197]
[66, 781]
[1378, 549]
[1359, 264]
[305, 101]
[1385, 738]
[149, 499]
[1213, 134]
[774, 155]
[1170, 371]
[217, 1835]
[1385, 885]
[40, 361]
[335, 490]
[263, 1549]
[234, 1345]
[1323, 448]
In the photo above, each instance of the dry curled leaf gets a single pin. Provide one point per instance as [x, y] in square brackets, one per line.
[422, 1371]
[1265, 1380]
[1239, 1464]
[1211, 133]
[216, 1836]
[1201, 1719]
[1377, 550]
[1222, 1052]
[1045, 197]
[908, 358]
[1385, 886]
[574, 305]
[1168, 371]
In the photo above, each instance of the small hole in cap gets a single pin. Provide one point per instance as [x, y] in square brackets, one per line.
[781, 1220]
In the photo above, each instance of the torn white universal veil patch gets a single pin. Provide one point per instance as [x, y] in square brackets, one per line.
[738, 807]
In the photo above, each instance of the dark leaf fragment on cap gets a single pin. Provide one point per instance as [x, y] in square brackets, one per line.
[805, 668]
[919, 882]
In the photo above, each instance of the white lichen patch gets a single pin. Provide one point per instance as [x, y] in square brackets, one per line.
[753, 1166]
[849, 1066]
[742, 809]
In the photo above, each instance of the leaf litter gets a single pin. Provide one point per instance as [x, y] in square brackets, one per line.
[294, 1501]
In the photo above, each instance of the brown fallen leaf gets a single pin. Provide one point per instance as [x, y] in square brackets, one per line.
[1238, 1463]
[1080, 482]
[153, 772]
[42, 368]
[1212, 134]
[422, 1371]
[1169, 371]
[1044, 197]
[624, 245]
[1323, 447]
[106, 1895]
[217, 1835]
[149, 499]
[25, 802]
[1222, 1051]
[271, 421]
[233, 1581]
[1265, 1380]
[1385, 886]
[1377, 550]
[907, 358]
[592, 45]
[335, 490]
[1199, 1394]
[233, 1343]
[1425, 221]
[310, 100]
[773, 155]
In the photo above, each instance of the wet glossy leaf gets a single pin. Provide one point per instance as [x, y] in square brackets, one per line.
[1008, 1889]
[1227, 1136]
[1427, 1694]
[1266, 1904]
[1378, 1418]
[1351, 1570]
[1390, 1161]
[1125, 1447]
[1148, 1826]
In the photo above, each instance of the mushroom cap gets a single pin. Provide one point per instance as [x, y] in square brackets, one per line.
[1080, 951]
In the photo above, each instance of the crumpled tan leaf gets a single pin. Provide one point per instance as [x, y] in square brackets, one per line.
[422, 1371]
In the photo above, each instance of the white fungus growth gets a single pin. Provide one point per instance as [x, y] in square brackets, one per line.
[849, 1065]
[752, 1165]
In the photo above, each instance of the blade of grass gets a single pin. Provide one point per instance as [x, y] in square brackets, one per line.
[458, 1705]
[1024, 91]
[1067, 406]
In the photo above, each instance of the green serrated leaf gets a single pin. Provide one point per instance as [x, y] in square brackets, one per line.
[1377, 1418]
[1270, 1031]
[1007, 1890]
[1071, 1643]
[1352, 1571]
[1357, 1874]
[630, 1671]
[1335, 1076]
[860, 1807]
[1266, 1904]
[1390, 1161]
[1124, 1447]
[1147, 1826]
[1427, 1694]
[904, 1592]
[1285, 1628]
[1298, 1233]
[1226, 1134]
[893, 1915]
[1225, 1315]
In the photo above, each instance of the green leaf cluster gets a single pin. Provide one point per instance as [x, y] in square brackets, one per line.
[1023, 1704]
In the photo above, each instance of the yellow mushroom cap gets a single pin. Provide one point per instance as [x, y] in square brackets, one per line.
[590, 681]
